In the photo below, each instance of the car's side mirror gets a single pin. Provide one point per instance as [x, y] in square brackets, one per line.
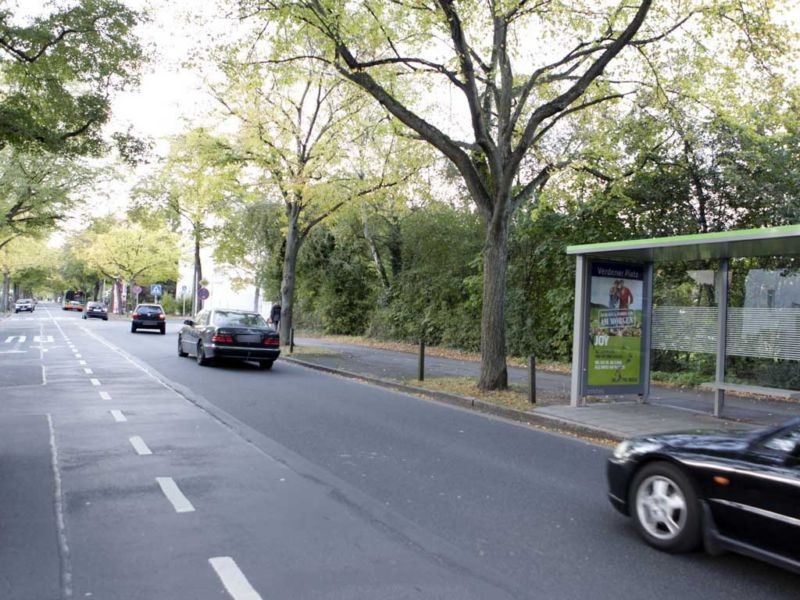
[793, 457]
[188, 322]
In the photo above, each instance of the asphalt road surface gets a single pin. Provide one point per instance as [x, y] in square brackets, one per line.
[302, 485]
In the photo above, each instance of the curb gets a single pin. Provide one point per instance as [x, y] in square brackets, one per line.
[529, 418]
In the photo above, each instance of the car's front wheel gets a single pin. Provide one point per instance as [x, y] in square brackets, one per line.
[181, 352]
[665, 508]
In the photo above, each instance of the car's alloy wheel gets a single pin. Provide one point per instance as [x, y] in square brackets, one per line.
[665, 508]
[181, 353]
[201, 355]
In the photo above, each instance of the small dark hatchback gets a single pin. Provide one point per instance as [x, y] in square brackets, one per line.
[95, 310]
[149, 316]
[227, 333]
[736, 491]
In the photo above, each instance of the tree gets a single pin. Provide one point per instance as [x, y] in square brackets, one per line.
[25, 263]
[301, 129]
[515, 117]
[132, 254]
[35, 192]
[59, 71]
[195, 185]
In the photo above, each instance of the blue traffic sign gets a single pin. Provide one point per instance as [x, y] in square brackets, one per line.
[155, 289]
[203, 293]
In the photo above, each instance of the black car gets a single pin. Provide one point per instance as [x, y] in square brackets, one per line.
[225, 333]
[95, 310]
[737, 491]
[149, 316]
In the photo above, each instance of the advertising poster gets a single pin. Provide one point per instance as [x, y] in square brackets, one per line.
[615, 325]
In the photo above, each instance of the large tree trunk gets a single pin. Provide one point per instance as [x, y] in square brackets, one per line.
[293, 241]
[197, 302]
[4, 307]
[494, 375]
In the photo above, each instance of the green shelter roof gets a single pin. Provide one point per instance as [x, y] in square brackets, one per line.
[770, 241]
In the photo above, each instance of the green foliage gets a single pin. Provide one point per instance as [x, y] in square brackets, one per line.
[58, 71]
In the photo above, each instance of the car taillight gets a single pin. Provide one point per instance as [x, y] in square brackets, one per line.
[135, 315]
[272, 341]
[222, 338]
[162, 316]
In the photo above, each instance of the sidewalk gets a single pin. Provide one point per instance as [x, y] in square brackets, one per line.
[669, 409]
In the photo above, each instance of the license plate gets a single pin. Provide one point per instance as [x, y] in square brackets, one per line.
[149, 322]
[248, 339]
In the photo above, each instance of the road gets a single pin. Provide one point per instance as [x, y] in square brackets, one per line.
[315, 487]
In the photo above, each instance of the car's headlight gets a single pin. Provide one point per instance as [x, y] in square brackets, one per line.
[623, 450]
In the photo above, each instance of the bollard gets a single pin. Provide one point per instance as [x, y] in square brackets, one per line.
[421, 369]
[532, 379]
[291, 340]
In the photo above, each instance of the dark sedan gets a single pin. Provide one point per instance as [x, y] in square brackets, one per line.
[224, 333]
[730, 491]
[95, 310]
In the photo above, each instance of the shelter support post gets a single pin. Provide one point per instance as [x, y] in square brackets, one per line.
[647, 324]
[579, 332]
[722, 335]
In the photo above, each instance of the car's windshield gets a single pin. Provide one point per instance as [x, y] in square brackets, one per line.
[149, 309]
[238, 319]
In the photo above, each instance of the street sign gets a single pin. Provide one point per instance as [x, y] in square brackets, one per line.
[137, 289]
[183, 290]
[155, 289]
[203, 293]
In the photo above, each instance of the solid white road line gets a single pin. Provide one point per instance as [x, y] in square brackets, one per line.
[138, 444]
[105, 395]
[87, 371]
[174, 495]
[233, 579]
[63, 546]
[44, 375]
[95, 381]
[118, 416]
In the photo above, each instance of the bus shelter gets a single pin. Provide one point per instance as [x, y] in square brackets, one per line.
[617, 326]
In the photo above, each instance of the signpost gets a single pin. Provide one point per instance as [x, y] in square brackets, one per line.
[155, 291]
[203, 293]
[183, 299]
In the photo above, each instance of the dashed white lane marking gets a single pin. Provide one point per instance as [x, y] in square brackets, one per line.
[87, 371]
[78, 355]
[233, 579]
[82, 362]
[138, 444]
[174, 495]
[44, 375]
[105, 395]
[95, 381]
[118, 416]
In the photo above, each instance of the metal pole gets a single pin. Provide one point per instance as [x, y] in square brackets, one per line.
[421, 364]
[722, 335]
[647, 331]
[532, 379]
[579, 332]
[291, 340]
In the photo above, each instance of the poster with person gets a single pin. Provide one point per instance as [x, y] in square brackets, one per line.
[615, 325]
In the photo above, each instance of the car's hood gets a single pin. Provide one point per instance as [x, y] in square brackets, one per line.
[706, 441]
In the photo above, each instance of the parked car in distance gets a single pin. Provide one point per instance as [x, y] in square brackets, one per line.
[24, 305]
[732, 491]
[227, 333]
[149, 316]
[96, 310]
[73, 305]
